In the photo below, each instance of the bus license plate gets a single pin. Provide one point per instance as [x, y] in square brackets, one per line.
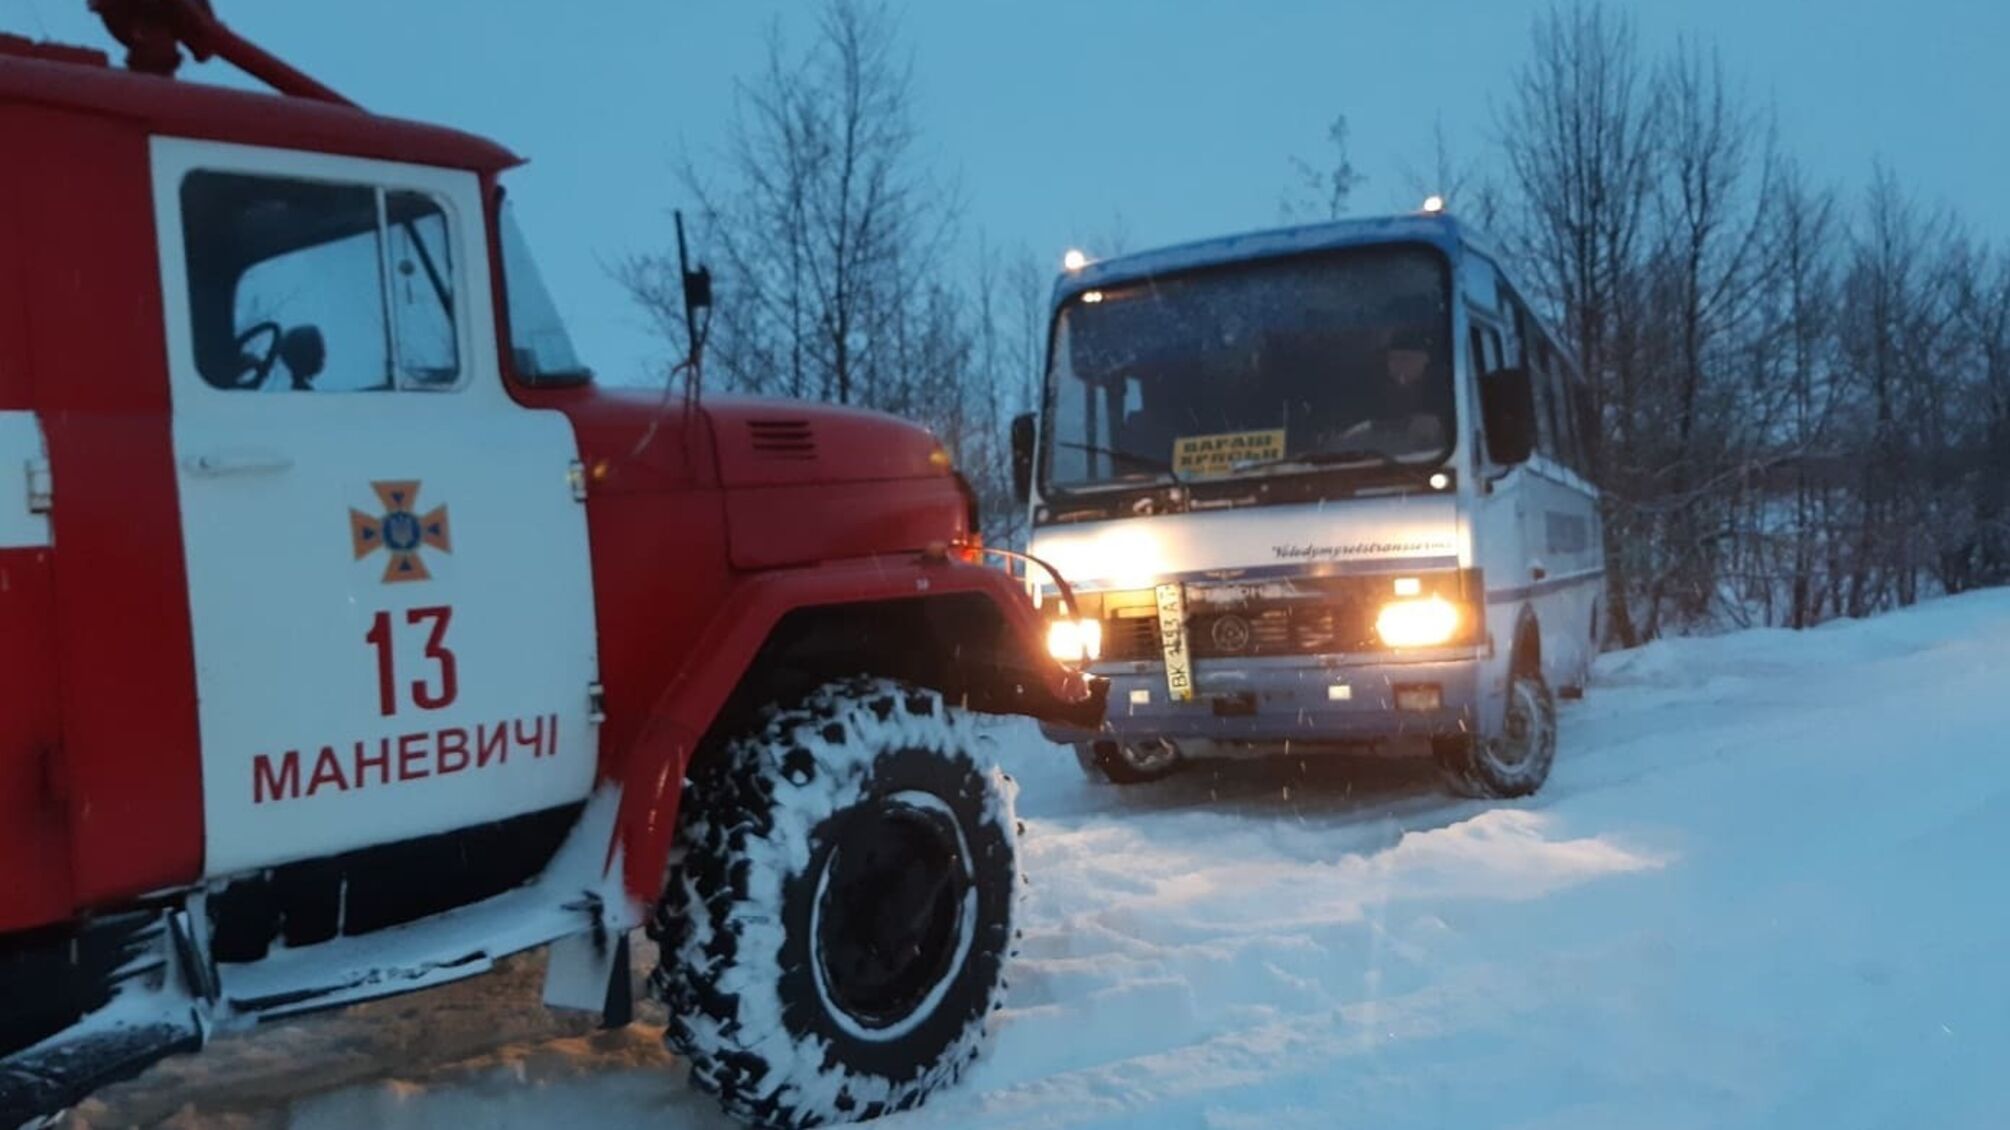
[1172, 641]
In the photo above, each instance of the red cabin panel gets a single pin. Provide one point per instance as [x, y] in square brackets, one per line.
[34, 883]
[97, 358]
[197, 109]
[35, 880]
[15, 384]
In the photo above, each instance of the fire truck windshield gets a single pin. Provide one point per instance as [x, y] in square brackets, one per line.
[540, 348]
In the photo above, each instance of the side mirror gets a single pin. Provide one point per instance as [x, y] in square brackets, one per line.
[1507, 405]
[1023, 429]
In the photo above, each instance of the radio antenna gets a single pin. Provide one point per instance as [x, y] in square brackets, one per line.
[697, 296]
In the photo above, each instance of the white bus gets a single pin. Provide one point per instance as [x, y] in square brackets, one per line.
[1317, 489]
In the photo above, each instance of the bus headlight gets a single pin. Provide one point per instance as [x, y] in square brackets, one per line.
[1075, 641]
[1422, 622]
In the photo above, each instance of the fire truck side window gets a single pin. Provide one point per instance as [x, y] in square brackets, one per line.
[540, 349]
[310, 286]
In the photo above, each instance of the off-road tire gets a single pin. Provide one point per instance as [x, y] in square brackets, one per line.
[1498, 766]
[744, 924]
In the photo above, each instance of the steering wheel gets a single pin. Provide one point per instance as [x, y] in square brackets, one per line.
[253, 371]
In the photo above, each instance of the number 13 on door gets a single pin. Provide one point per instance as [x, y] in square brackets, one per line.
[440, 684]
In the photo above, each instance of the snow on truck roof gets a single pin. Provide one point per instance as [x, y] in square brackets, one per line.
[1439, 230]
[79, 80]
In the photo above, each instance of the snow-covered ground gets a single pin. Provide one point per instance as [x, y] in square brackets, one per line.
[1768, 885]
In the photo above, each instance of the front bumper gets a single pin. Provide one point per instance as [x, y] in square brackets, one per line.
[1269, 702]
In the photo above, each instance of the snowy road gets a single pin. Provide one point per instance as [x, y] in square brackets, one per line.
[1765, 887]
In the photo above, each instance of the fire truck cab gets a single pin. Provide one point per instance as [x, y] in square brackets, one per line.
[351, 638]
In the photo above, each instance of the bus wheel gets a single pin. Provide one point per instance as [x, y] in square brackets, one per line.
[839, 907]
[1133, 763]
[1514, 762]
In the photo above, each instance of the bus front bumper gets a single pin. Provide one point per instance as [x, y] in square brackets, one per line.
[1260, 705]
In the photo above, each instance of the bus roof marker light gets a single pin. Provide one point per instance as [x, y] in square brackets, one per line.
[1440, 481]
[1433, 204]
[1092, 296]
[1074, 259]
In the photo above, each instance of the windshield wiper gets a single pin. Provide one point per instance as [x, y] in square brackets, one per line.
[1352, 456]
[1150, 463]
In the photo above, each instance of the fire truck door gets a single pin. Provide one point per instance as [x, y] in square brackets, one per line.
[388, 569]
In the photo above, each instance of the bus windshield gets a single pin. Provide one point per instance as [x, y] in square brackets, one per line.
[1270, 366]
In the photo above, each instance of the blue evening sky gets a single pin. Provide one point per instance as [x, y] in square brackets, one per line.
[1065, 122]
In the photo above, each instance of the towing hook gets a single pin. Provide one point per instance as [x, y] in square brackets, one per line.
[1077, 686]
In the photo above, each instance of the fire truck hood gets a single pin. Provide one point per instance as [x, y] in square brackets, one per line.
[782, 442]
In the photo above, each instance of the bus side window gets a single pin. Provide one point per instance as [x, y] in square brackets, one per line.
[1486, 344]
[1517, 332]
[1562, 417]
[1563, 414]
[1527, 348]
[1580, 418]
[1540, 379]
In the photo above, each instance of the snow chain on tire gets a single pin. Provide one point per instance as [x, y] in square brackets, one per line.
[744, 970]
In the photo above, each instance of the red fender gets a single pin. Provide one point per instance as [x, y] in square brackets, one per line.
[653, 771]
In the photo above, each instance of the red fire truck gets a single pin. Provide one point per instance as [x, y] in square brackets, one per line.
[352, 639]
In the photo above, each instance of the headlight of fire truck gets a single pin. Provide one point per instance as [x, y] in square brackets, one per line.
[1075, 641]
[1424, 621]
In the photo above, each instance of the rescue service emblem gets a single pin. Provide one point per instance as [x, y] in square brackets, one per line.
[401, 531]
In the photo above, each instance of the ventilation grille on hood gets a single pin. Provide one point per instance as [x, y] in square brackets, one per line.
[782, 439]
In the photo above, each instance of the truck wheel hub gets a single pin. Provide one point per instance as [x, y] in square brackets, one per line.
[890, 915]
[1521, 734]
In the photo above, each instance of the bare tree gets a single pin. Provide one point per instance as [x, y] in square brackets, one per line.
[1982, 312]
[1577, 133]
[1801, 413]
[1707, 396]
[1800, 322]
[1466, 188]
[836, 257]
[1897, 353]
[825, 227]
[1322, 191]
[1007, 327]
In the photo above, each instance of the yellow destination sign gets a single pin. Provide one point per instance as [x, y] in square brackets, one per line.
[1219, 454]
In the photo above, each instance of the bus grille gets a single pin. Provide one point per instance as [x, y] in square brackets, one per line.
[1284, 628]
[1131, 638]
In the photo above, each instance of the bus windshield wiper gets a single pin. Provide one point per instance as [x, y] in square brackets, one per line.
[1148, 462]
[1344, 457]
